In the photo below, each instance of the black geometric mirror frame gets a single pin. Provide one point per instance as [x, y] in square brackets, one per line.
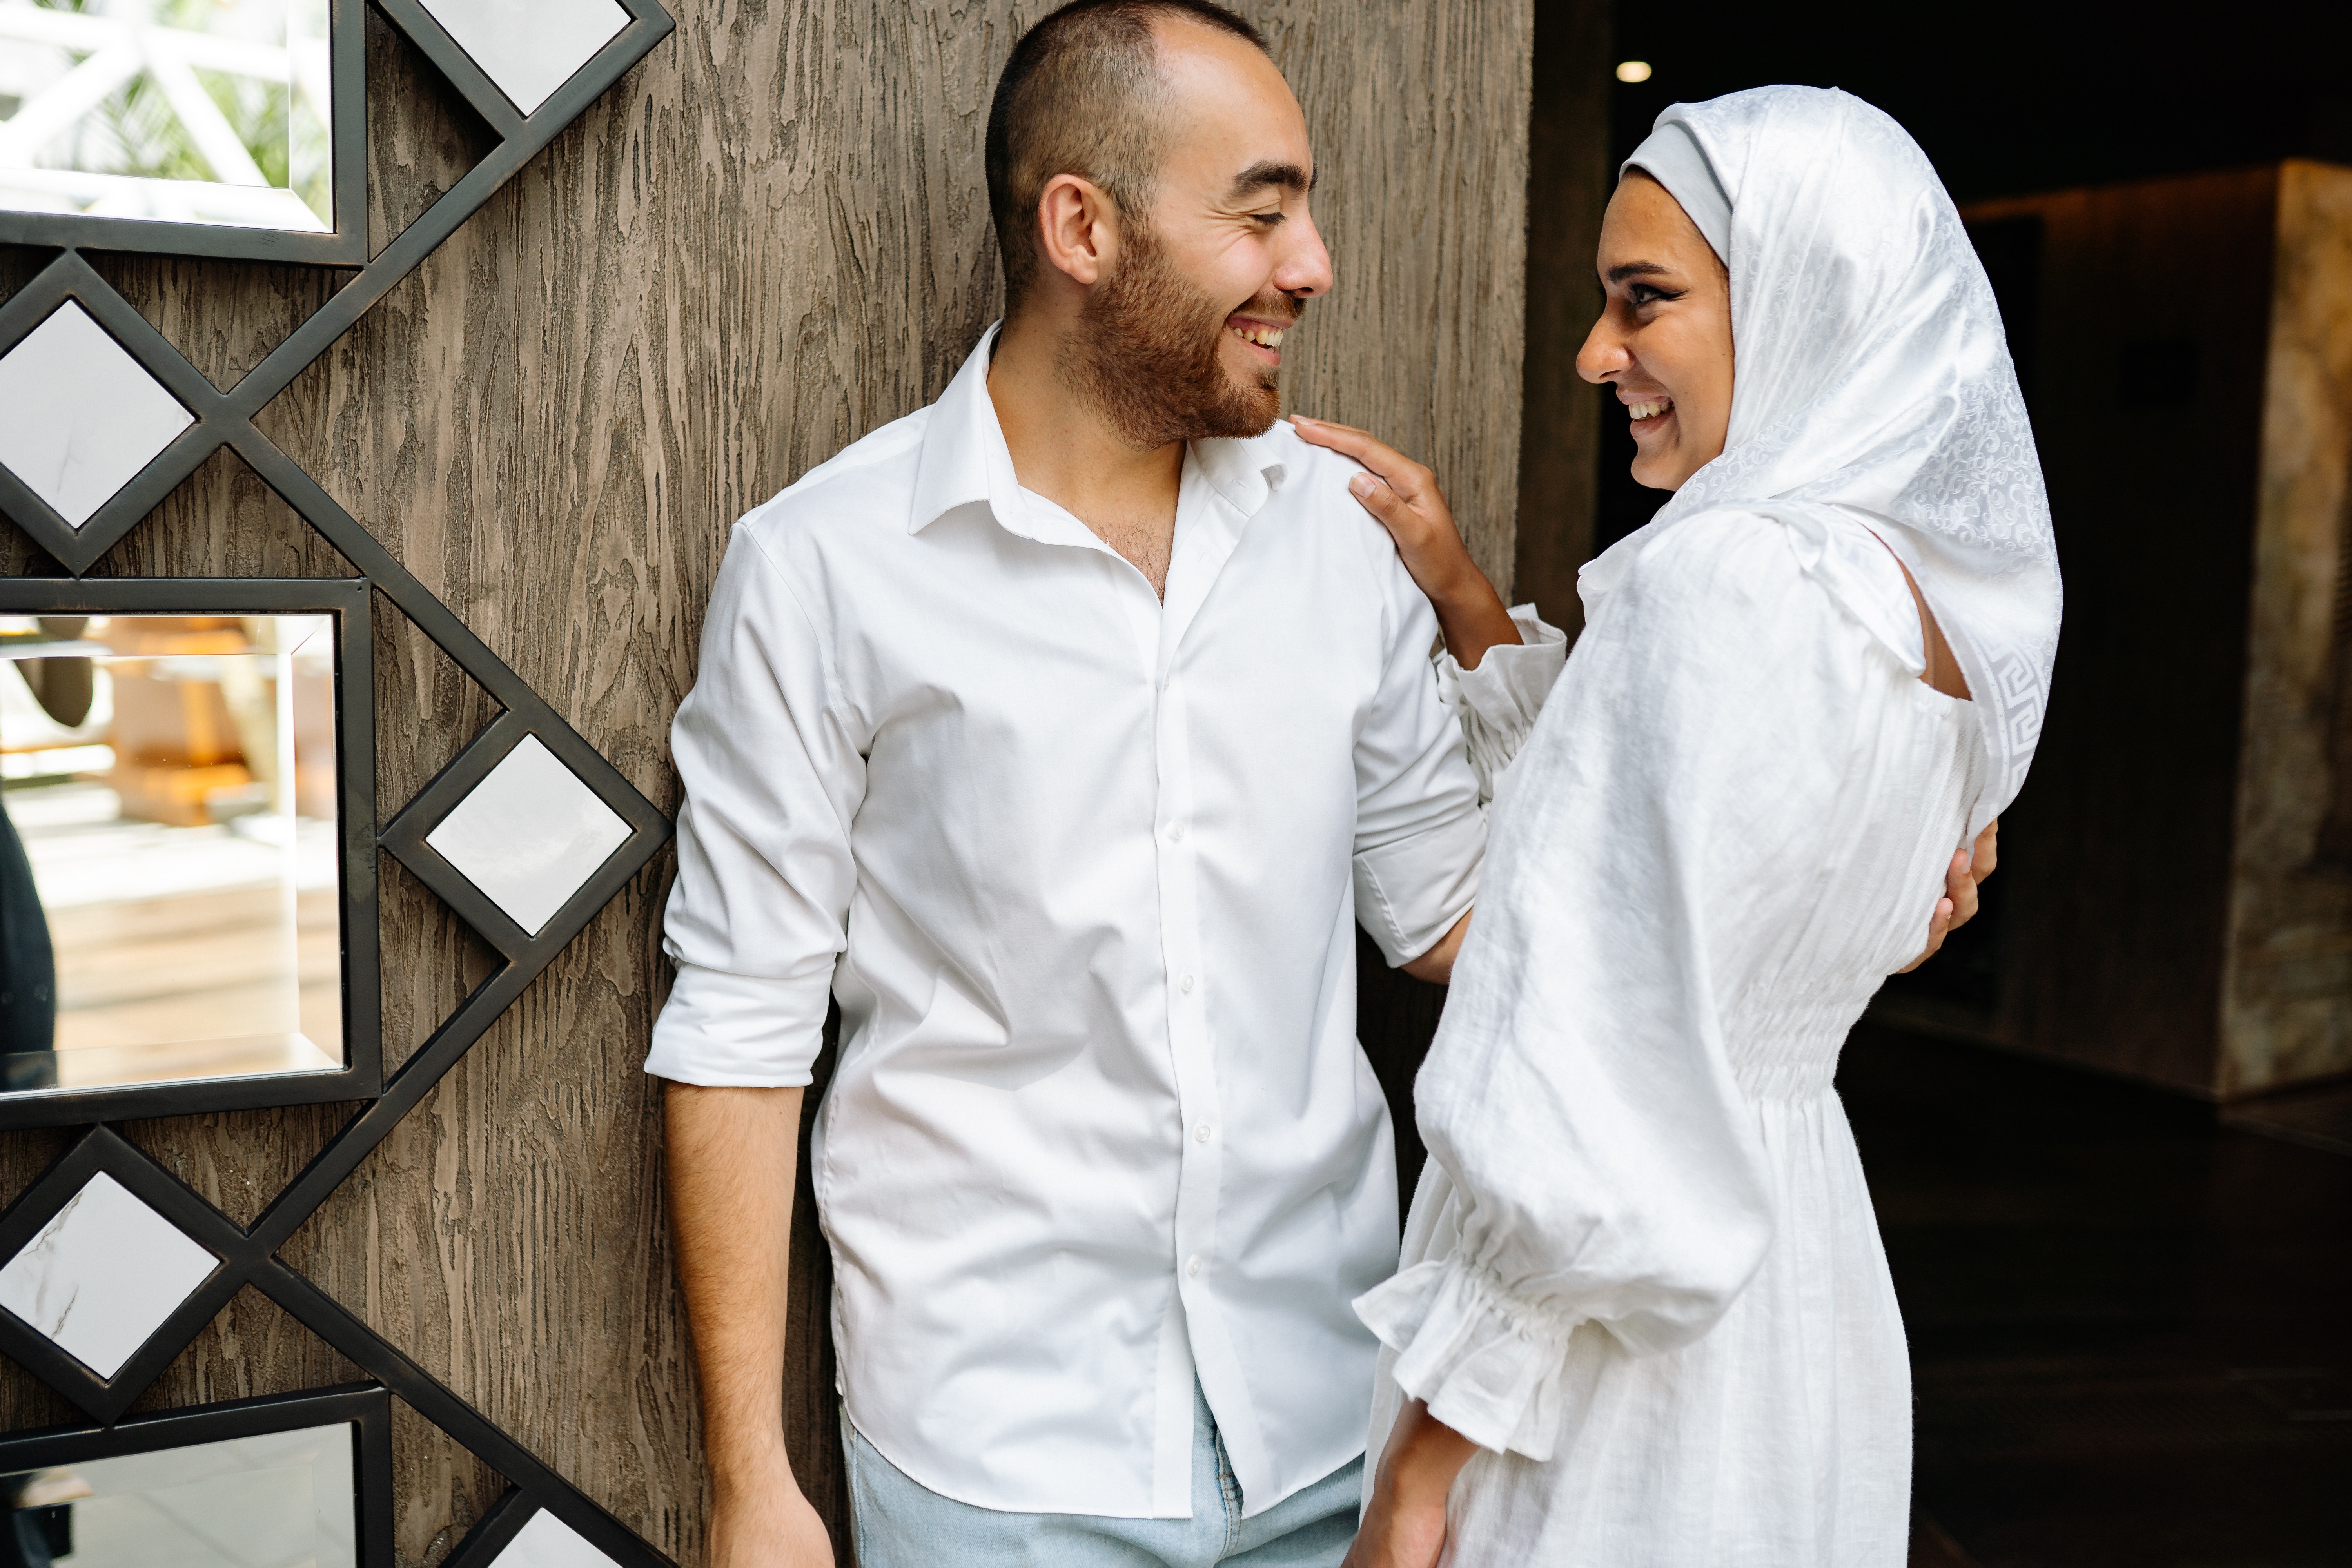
[348, 601]
[366, 1406]
[346, 245]
[247, 1255]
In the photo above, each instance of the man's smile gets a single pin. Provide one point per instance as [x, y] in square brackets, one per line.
[1264, 337]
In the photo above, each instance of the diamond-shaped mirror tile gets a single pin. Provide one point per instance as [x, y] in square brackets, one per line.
[79, 417]
[529, 47]
[103, 1275]
[548, 1542]
[529, 834]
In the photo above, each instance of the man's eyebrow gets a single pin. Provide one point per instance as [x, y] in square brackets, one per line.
[1634, 269]
[1258, 176]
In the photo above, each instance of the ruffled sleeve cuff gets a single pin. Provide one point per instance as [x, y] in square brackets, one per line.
[1498, 702]
[1492, 1368]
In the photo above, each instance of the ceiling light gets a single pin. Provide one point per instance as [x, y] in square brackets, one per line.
[1634, 70]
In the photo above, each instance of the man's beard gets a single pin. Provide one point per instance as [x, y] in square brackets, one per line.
[1149, 353]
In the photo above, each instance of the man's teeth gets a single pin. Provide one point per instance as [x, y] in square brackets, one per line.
[1649, 410]
[1265, 337]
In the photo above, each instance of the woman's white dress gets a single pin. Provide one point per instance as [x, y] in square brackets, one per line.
[1641, 1269]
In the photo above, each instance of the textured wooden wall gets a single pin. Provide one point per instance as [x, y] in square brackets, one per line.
[770, 238]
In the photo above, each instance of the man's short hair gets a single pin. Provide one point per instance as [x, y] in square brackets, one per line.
[1081, 95]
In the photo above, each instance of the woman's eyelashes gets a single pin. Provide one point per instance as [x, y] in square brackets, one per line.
[1643, 294]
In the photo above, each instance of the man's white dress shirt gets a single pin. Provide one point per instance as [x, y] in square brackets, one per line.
[1081, 867]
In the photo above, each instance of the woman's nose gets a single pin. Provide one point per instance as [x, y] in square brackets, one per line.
[1603, 353]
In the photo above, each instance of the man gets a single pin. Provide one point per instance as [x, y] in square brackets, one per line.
[1062, 730]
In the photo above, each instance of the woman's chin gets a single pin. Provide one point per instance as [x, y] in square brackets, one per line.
[1658, 471]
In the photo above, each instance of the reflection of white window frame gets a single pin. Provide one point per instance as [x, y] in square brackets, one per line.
[117, 50]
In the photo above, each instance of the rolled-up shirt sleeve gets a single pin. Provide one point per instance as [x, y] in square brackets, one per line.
[773, 778]
[1420, 832]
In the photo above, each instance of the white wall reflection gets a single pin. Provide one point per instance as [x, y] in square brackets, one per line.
[174, 845]
[215, 111]
[281, 1500]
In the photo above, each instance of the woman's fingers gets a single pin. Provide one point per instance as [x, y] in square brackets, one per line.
[1379, 497]
[1408, 477]
[1415, 526]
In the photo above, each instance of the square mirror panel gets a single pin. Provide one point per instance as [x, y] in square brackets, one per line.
[299, 1481]
[546, 1541]
[271, 1501]
[78, 416]
[529, 47]
[175, 855]
[219, 115]
[102, 1276]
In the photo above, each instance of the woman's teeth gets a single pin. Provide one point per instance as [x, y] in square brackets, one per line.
[1650, 410]
[1265, 337]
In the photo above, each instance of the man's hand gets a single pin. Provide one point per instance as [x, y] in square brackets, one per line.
[765, 1523]
[1404, 1524]
[1958, 907]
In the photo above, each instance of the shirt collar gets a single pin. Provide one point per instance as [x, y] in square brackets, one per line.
[964, 458]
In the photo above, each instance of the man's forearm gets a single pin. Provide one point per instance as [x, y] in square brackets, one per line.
[731, 1158]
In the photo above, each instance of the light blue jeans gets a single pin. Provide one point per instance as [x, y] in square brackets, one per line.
[898, 1523]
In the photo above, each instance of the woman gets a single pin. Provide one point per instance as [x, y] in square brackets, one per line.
[1643, 1316]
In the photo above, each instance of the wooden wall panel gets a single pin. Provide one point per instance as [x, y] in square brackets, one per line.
[1418, 115]
[768, 239]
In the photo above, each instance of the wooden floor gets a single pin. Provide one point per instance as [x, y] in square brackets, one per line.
[2130, 1320]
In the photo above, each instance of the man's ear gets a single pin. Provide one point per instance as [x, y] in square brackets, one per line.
[1077, 228]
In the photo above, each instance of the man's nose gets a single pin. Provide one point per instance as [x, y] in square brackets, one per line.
[1305, 268]
[1603, 353]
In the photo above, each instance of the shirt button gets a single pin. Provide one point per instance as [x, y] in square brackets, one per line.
[1185, 984]
[1176, 833]
[1193, 1267]
[1202, 1132]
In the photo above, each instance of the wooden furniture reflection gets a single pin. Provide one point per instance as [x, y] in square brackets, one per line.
[175, 743]
[2175, 901]
[195, 740]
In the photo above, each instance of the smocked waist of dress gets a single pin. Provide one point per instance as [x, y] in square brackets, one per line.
[1788, 1049]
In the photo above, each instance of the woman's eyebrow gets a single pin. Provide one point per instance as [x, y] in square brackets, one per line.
[1634, 269]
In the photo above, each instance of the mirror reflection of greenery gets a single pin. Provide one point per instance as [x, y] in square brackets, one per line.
[286, 135]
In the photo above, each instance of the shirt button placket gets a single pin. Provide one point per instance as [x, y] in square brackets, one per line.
[1180, 926]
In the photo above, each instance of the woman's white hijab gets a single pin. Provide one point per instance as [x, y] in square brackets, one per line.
[1873, 386]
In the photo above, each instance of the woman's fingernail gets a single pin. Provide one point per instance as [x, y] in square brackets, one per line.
[1361, 485]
